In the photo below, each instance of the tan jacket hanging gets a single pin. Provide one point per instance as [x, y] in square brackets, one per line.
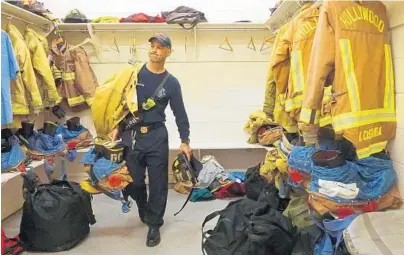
[25, 96]
[352, 39]
[46, 83]
[292, 57]
[73, 74]
[275, 93]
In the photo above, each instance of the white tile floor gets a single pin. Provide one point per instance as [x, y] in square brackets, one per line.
[118, 233]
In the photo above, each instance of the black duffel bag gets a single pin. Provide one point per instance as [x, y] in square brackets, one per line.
[254, 182]
[248, 227]
[56, 216]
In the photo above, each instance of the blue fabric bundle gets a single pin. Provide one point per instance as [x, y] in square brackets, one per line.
[201, 195]
[333, 235]
[233, 176]
[67, 134]
[300, 158]
[348, 173]
[373, 176]
[102, 167]
[46, 144]
[14, 157]
[377, 177]
[89, 158]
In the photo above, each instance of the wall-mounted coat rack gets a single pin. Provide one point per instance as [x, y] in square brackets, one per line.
[251, 44]
[114, 46]
[15, 13]
[225, 45]
[162, 27]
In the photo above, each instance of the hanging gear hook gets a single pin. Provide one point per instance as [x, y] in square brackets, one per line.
[226, 42]
[251, 44]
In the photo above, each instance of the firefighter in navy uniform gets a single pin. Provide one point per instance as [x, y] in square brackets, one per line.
[147, 141]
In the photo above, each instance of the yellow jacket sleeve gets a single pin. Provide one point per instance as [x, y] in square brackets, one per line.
[28, 79]
[270, 95]
[281, 60]
[27, 74]
[270, 86]
[30, 84]
[321, 65]
[50, 96]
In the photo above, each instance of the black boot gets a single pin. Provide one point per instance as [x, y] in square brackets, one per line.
[73, 124]
[49, 128]
[25, 132]
[5, 135]
[153, 237]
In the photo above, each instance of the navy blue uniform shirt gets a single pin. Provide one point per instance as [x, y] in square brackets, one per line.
[171, 92]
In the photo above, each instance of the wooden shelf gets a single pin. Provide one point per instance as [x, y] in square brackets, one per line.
[132, 27]
[199, 146]
[5, 177]
[285, 12]
[25, 16]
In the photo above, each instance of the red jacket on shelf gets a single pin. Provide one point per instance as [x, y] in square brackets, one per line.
[142, 18]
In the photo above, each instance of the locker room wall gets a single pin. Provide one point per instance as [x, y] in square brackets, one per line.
[218, 98]
[220, 88]
[396, 147]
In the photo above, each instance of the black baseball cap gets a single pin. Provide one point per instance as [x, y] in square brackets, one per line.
[162, 39]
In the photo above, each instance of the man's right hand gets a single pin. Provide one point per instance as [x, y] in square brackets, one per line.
[113, 136]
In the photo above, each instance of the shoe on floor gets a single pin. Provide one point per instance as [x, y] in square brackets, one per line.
[153, 237]
[126, 205]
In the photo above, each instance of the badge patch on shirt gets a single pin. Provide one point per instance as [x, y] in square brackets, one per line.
[161, 93]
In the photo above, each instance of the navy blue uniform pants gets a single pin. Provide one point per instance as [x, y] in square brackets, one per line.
[149, 152]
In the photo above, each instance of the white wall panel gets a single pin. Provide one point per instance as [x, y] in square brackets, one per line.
[220, 88]
[396, 146]
[397, 37]
[399, 72]
[400, 176]
[400, 108]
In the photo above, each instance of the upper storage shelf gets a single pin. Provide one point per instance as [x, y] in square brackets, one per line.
[14, 12]
[285, 12]
[132, 27]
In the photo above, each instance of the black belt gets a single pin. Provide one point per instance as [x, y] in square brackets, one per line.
[145, 128]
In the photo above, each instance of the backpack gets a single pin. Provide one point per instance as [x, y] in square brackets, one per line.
[56, 216]
[186, 172]
[10, 246]
[75, 16]
[254, 182]
[246, 226]
[184, 15]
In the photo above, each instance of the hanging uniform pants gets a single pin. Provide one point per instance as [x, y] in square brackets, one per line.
[149, 151]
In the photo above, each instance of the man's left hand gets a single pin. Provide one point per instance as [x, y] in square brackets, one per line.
[185, 148]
